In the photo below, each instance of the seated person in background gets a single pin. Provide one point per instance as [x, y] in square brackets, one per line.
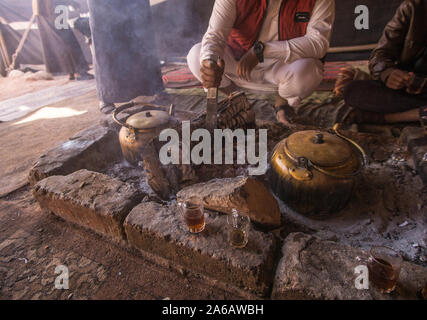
[399, 67]
[271, 46]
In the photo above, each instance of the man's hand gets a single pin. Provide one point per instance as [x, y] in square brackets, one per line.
[398, 79]
[245, 66]
[212, 72]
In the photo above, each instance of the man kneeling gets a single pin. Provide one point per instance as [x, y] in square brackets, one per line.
[271, 46]
[399, 67]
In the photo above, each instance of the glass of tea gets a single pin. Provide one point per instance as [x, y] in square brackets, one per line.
[238, 229]
[193, 214]
[384, 266]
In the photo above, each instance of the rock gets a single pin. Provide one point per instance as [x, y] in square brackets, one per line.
[247, 195]
[40, 75]
[92, 149]
[158, 230]
[101, 205]
[379, 155]
[16, 74]
[418, 151]
[316, 269]
[410, 133]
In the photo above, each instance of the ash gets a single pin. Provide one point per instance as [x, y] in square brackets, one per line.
[134, 175]
[388, 208]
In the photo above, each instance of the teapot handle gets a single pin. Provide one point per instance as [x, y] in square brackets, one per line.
[355, 144]
[120, 109]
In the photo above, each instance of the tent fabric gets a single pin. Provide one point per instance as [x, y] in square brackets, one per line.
[180, 24]
[61, 50]
[56, 44]
[345, 32]
[22, 10]
[16, 10]
[31, 52]
[126, 61]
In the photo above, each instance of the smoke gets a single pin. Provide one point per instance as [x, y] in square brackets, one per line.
[179, 24]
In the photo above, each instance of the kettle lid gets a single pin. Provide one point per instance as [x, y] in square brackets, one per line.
[321, 148]
[148, 119]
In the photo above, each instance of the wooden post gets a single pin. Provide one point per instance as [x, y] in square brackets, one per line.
[4, 51]
[22, 42]
[364, 47]
[36, 7]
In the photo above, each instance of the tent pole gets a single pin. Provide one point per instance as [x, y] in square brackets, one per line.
[364, 47]
[21, 43]
[4, 52]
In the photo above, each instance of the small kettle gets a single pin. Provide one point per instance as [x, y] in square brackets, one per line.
[140, 128]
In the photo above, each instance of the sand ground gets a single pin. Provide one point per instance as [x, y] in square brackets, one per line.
[33, 243]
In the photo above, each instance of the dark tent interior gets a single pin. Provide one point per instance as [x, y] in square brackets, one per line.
[187, 20]
[181, 23]
[15, 16]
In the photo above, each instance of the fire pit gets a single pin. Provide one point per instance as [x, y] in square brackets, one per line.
[86, 181]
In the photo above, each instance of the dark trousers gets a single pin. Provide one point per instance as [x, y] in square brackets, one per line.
[374, 96]
[125, 55]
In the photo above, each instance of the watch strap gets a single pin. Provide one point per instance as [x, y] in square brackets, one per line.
[259, 51]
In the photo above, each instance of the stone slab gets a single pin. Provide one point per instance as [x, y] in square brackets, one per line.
[89, 199]
[247, 195]
[314, 269]
[409, 134]
[160, 230]
[92, 149]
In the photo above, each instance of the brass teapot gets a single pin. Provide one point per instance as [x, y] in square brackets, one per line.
[140, 128]
[314, 172]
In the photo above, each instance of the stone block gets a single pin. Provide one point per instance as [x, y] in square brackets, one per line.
[314, 269]
[92, 149]
[159, 230]
[409, 134]
[248, 196]
[89, 199]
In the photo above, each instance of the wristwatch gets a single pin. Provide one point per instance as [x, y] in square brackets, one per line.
[259, 50]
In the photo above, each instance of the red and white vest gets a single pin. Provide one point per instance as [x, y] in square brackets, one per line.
[250, 18]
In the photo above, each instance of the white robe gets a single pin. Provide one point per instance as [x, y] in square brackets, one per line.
[292, 67]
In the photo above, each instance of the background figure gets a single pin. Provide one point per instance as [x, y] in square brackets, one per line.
[399, 67]
[125, 57]
[61, 51]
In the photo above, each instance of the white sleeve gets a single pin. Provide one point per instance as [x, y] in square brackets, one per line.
[314, 44]
[216, 37]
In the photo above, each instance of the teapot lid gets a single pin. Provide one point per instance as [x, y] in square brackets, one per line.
[148, 119]
[321, 148]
